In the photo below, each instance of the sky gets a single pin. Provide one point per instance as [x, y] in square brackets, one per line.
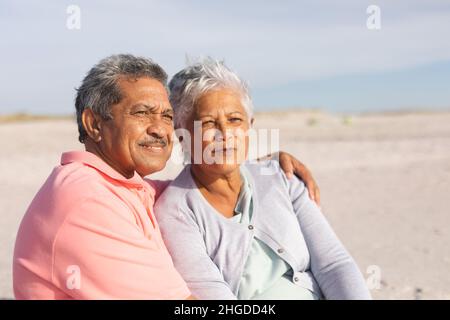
[293, 54]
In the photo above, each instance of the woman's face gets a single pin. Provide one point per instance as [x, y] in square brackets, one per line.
[222, 124]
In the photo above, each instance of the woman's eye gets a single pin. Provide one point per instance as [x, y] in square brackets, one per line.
[235, 119]
[141, 112]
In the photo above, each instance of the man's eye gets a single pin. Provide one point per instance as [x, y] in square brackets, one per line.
[208, 123]
[168, 117]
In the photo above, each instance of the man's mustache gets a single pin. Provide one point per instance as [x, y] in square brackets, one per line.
[154, 141]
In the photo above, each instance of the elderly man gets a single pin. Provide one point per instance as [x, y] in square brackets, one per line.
[90, 232]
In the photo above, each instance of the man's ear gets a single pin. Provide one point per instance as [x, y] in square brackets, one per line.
[92, 124]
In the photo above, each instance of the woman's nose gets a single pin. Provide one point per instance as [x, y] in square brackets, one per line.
[224, 134]
[223, 129]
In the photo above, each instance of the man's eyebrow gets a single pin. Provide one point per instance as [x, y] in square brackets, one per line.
[148, 106]
[168, 110]
[153, 108]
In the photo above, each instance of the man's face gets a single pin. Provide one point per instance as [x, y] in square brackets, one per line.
[139, 137]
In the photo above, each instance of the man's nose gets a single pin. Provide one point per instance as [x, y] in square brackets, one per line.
[157, 129]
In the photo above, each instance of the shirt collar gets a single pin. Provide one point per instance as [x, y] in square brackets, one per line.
[92, 160]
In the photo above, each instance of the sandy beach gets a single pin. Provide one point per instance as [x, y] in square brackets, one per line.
[384, 179]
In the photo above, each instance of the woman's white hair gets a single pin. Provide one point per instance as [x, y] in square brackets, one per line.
[188, 85]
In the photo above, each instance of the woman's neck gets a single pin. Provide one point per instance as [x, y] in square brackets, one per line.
[221, 191]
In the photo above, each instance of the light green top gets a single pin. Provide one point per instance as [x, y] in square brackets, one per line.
[266, 276]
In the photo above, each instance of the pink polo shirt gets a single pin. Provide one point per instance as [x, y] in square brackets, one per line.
[90, 233]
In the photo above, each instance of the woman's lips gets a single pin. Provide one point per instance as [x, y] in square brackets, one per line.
[224, 150]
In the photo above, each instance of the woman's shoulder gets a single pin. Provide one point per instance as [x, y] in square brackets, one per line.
[269, 173]
[264, 170]
[176, 196]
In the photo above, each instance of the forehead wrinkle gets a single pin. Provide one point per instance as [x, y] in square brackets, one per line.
[153, 106]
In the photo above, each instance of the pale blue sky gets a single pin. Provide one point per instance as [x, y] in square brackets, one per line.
[293, 53]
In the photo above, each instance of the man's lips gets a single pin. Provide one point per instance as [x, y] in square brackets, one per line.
[153, 147]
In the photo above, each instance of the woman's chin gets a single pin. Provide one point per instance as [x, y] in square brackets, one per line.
[222, 168]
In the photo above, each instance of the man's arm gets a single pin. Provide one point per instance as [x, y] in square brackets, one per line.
[290, 165]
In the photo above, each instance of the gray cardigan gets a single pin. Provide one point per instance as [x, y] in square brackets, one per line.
[210, 250]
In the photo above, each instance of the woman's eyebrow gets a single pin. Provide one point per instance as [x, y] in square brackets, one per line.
[234, 112]
[212, 116]
[205, 115]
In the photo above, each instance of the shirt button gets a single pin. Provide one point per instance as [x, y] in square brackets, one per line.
[280, 250]
[250, 227]
[296, 279]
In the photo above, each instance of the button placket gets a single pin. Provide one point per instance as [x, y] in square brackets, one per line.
[145, 198]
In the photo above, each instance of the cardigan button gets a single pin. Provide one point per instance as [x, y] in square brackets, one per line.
[250, 227]
[296, 279]
[280, 250]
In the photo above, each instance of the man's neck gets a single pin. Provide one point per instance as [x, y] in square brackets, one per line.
[92, 147]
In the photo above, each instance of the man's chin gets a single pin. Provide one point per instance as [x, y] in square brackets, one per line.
[149, 168]
[147, 163]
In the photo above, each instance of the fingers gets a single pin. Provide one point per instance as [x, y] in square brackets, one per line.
[292, 166]
[313, 189]
[311, 186]
[286, 164]
[317, 195]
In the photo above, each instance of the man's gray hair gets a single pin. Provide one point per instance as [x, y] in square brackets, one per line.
[100, 88]
[188, 85]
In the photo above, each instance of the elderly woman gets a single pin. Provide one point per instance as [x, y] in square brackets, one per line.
[239, 229]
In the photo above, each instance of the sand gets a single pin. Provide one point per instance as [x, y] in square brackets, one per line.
[384, 179]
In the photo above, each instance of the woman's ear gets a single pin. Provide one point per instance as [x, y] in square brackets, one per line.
[92, 124]
[252, 121]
